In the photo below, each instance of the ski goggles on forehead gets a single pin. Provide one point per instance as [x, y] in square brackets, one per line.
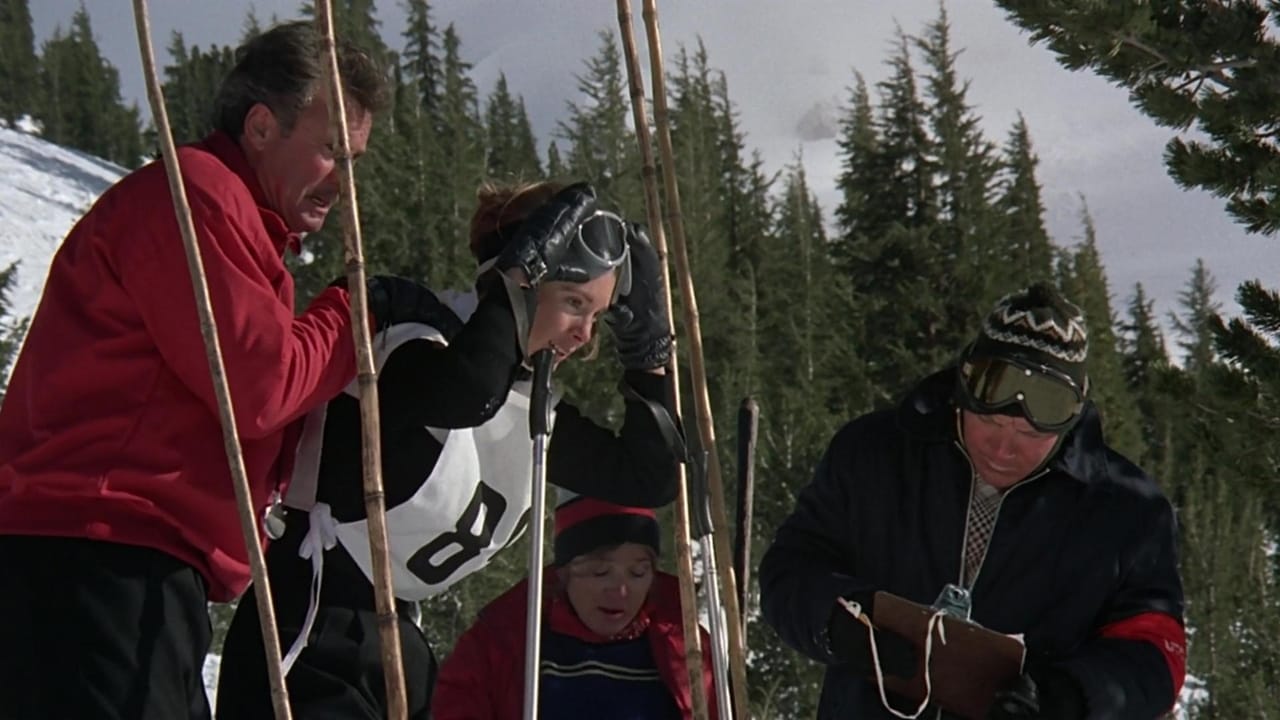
[601, 246]
[1049, 399]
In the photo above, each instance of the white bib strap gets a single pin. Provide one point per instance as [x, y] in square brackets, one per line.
[322, 536]
[301, 493]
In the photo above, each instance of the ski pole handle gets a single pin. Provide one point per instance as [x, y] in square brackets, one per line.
[540, 397]
[699, 497]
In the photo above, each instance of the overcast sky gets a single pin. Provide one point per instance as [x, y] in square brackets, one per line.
[784, 58]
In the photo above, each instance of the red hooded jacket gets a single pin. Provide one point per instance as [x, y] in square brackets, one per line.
[483, 678]
[109, 428]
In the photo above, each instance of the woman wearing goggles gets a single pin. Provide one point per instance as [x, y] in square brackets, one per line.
[457, 452]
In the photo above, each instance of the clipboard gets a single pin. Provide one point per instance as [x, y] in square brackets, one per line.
[965, 672]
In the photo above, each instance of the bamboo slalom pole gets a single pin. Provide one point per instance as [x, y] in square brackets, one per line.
[213, 351]
[748, 426]
[684, 550]
[701, 398]
[366, 379]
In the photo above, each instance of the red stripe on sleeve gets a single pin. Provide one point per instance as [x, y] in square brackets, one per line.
[1162, 631]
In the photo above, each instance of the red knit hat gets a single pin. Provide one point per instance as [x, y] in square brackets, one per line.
[585, 524]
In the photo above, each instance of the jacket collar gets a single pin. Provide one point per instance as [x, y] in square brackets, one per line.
[928, 412]
[226, 149]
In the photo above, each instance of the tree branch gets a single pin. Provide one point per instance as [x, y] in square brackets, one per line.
[1215, 71]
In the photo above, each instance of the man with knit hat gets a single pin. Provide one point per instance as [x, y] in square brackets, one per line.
[993, 476]
[612, 633]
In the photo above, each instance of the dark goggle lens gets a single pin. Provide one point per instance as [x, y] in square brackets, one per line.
[604, 237]
[1049, 403]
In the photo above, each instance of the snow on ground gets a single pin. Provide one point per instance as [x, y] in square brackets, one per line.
[45, 189]
[212, 663]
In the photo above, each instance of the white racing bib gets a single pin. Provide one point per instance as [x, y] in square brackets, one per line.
[473, 503]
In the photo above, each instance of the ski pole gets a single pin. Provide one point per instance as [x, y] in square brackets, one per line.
[653, 212]
[366, 380]
[748, 425]
[217, 369]
[703, 530]
[698, 365]
[539, 430]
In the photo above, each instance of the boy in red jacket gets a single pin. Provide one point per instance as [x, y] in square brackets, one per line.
[612, 640]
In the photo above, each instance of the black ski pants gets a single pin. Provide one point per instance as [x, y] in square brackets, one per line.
[92, 629]
[338, 676]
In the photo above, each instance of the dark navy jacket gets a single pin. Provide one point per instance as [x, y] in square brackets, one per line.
[1082, 559]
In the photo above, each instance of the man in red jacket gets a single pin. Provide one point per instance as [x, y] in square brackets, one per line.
[117, 513]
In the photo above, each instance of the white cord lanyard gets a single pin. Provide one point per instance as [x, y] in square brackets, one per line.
[935, 623]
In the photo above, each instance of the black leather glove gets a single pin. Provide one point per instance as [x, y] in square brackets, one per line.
[395, 300]
[851, 643]
[540, 242]
[1044, 693]
[638, 319]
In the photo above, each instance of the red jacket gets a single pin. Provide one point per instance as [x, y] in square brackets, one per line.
[109, 428]
[483, 678]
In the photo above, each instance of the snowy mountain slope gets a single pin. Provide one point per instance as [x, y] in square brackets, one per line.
[44, 189]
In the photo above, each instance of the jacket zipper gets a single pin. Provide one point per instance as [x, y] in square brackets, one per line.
[973, 479]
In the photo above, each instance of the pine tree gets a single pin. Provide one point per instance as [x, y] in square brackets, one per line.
[460, 138]
[967, 231]
[1251, 342]
[11, 329]
[727, 220]
[81, 90]
[889, 240]
[421, 56]
[1031, 250]
[1206, 67]
[251, 27]
[799, 327]
[1250, 345]
[356, 22]
[1223, 458]
[1146, 372]
[1193, 384]
[1087, 287]
[555, 165]
[511, 151]
[19, 66]
[1195, 324]
[191, 84]
[602, 148]
[859, 149]
[905, 145]
[1231, 587]
[965, 160]
[418, 125]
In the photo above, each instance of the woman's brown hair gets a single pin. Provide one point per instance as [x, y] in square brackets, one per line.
[499, 211]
